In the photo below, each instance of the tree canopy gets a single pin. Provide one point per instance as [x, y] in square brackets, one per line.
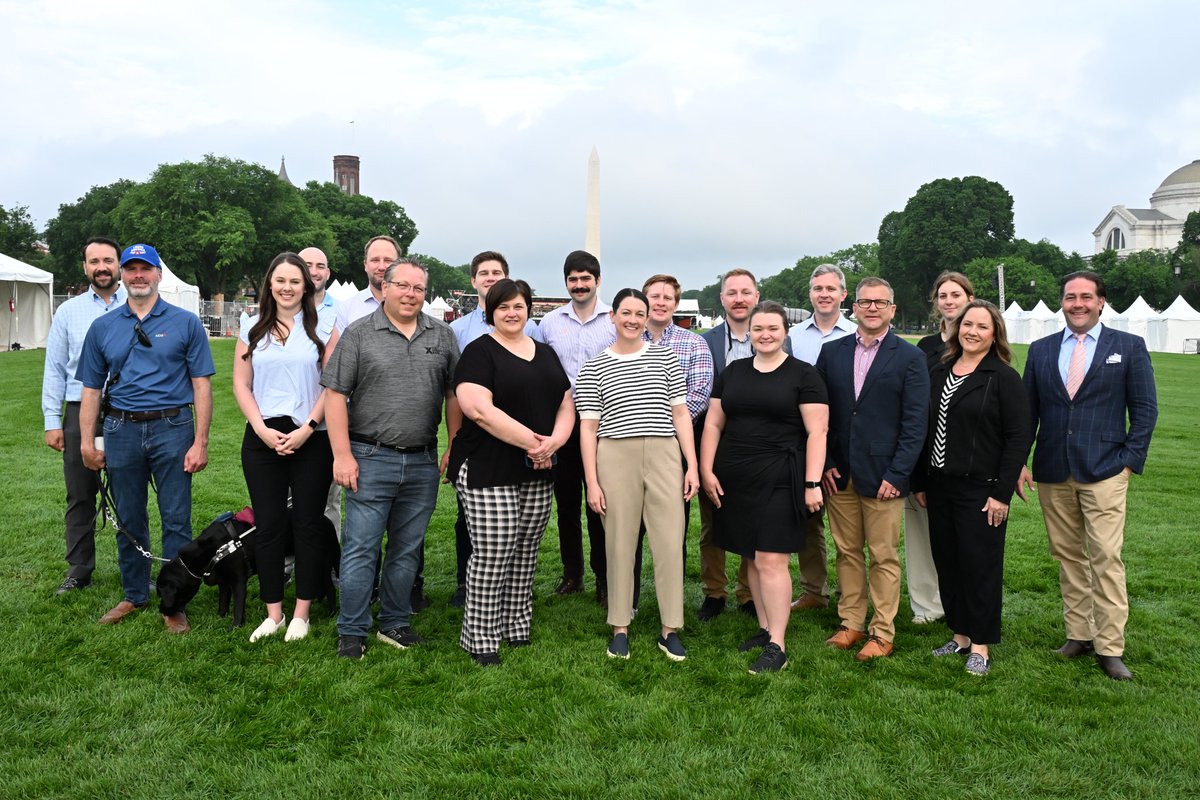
[443, 278]
[18, 235]
[354, 220]
[90, 215]
[1024, 281]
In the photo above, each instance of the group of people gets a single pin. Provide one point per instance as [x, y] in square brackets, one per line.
[771, 425]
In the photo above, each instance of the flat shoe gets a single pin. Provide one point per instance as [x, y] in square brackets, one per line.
[297, 629]
[268, 628]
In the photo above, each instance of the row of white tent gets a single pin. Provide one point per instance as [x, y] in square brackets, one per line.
[437, 307]
[1175, 330]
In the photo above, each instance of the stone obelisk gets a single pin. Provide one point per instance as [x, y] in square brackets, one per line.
[591, 239]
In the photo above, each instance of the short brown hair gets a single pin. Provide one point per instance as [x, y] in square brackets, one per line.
[667, 279]
[382, 238]
[488, 255]
[736, 271]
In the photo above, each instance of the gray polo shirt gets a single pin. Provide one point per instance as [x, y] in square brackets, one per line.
[396, 386]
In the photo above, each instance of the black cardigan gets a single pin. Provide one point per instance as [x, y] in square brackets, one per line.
[988, 432]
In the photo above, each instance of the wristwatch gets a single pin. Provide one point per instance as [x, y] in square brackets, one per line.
[312, 423]
[812, 484]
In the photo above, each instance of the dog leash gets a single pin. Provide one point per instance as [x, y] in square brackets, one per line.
[109, 512]
[234, 545]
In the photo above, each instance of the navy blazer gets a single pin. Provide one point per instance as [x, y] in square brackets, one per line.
[1086, 437]
[879, 436]
[716, 337]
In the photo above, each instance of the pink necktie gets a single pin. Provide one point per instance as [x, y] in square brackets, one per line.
[1075, 368]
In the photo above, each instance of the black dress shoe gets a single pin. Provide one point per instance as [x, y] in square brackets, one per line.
[1074, 648]
[70, 583]
[459, 598]
[569, 586]
[1114, 667]
[710, 608]
[602, 596]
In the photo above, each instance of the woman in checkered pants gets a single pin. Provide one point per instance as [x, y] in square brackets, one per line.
[517, 412]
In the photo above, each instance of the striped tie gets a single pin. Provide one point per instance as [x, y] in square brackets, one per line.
[1075, 368]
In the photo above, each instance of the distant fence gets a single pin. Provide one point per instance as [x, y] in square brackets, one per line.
[220, 317]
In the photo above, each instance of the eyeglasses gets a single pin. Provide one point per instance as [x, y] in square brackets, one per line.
[865, 304]
[407, 287]
[142, 338]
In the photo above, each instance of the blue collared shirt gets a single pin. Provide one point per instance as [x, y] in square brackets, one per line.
[808, 339]
[1067, 347]
[357, 307]
[574, 340]
[67, 331]
[154, 377]
[470, 327]
[326, 317]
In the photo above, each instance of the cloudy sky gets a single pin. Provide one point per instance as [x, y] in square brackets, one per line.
[729, 134]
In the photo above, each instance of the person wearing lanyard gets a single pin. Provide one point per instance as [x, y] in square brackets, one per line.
[285, 449]
[155, 362]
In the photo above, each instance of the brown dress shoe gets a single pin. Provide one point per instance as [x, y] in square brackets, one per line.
[845, 638]
[1114, 667]
[874, 648]
[176, 623]
[119, 612]
[569, 586]
[808, 600]
[1074, 648]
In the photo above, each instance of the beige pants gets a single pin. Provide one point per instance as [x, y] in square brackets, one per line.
[813, 560]
[923, 594]
[642, 478]
[857, 522]
[713, 578]
[1085, 523]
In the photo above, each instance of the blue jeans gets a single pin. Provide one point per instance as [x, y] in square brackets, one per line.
[135, 451]
[397, 493]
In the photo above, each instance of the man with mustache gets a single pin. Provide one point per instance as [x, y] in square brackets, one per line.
[578, 331]
[154, 359]
[59, 386]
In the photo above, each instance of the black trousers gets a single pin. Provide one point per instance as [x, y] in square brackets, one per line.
[82, 488]
[307, 473]
[568, 497]
[462, 543]
[969, 557]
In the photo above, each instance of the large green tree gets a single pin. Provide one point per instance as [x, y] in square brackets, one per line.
[443, 278]
[218, 222]
[1024, 281]
[1186, 259]
[1147, 273]
[18, 235]
[947, 223]
[1046, 254]
[90, 215]
[354, 220]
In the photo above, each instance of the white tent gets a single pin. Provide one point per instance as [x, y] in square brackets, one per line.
[1175, 330]
[177, 292]
[438, 308]
[341, 291]
[1134, 319]
[1043, 321]
[1010, 316]
[29, 304]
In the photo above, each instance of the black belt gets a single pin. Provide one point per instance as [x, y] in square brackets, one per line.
[143, 416]
[354, 437]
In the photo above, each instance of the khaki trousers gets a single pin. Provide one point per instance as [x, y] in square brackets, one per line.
[922, 576]
[714, 580]
[814, 560]
[857, 522]
[1085, 523]
[642, 479]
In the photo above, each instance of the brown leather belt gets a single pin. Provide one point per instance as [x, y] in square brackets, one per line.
[143, 416]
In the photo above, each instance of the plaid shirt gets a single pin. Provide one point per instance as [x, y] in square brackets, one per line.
[696, 361]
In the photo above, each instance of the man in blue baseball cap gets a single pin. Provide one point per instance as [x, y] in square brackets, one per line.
[147, 367]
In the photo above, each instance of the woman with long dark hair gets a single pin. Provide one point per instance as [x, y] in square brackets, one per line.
[276, 380]
[979, 437]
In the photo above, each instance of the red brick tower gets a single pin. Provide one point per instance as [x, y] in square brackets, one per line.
[345, 174]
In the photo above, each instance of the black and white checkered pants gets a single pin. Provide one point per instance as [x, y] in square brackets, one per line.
[506, 524]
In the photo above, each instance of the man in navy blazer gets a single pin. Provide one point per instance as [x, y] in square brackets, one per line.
[1082, 384]
[878, 415]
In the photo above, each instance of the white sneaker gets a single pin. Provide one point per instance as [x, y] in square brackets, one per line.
[297, 630]
[268, 627]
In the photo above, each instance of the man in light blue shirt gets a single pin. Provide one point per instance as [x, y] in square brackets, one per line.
[318, 270]
[59, 386]
[486, 268]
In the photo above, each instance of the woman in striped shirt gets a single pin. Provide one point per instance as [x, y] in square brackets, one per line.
[634, 424]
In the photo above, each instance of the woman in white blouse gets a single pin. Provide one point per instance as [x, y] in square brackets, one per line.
[276, 380]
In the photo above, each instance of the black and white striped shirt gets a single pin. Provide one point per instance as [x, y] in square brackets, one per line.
[937, 454]
[632, 395]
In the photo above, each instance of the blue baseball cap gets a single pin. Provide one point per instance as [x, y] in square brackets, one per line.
[141, 252]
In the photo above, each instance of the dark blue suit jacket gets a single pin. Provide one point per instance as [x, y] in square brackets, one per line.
[879, 436]
[1086, 438]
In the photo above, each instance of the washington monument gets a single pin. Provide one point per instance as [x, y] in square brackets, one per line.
[591, 239]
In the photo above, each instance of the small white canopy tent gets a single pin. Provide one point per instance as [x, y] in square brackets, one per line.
[176, 292]
[1043, 321]
[1010, 316]
[1134, 319]
[30, 307]
[1170, 330]
[341, 291]
[438, 308]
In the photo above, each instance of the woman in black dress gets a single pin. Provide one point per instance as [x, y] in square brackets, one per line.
[517, 411]
[761, 460]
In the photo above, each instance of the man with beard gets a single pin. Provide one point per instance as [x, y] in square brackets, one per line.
[318, 270]
[153, 359]
[378, 254]
[578, 331]
[59, 386]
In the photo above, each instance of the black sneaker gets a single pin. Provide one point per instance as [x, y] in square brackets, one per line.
[516, 642]
[70, 583]
[773, 659]
[748, 609]
[710, 608]
[351, 647]
[403, 638]
[760, 639]
[619, 646]
[672, 646]
[459, 598]
[486, 659]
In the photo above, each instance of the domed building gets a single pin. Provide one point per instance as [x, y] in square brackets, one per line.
[1159, 227]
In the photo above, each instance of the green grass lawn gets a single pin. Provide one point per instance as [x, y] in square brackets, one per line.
[131, 711]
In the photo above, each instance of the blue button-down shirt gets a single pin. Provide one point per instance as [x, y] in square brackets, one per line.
[361, 305]
[326, 317]
[1068, 346]
[808, 339]
[470, 327]
[67, 331]
[151, 378]
[574, 340]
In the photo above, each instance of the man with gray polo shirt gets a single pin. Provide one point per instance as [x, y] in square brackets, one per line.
[394, 366]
